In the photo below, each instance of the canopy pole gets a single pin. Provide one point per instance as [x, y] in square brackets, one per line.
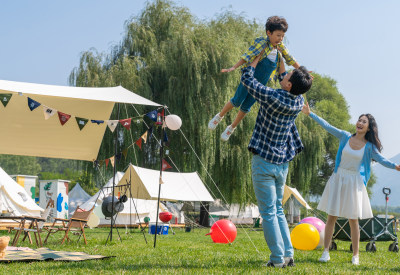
[160, 180]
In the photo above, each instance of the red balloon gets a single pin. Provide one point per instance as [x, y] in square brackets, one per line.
[223, 231]
[165, 216]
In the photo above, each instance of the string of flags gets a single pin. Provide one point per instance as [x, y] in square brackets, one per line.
[48, 112]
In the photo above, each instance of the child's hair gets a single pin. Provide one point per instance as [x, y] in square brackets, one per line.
[372, 134]
[301, 81]
[276, 23]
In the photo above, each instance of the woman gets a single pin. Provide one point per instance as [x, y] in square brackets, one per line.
[345, 194]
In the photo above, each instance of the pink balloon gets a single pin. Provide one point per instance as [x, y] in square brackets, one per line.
[320, 225]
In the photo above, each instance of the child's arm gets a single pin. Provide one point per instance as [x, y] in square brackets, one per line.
[240, 63]
[289, 59]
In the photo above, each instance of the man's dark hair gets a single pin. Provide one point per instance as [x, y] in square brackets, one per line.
[276, 23]
[301, 81]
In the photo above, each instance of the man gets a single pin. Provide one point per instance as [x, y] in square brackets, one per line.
[275, 142]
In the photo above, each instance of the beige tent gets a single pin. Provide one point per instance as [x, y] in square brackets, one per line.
[291, 191]
[28, 133]
[175, 186]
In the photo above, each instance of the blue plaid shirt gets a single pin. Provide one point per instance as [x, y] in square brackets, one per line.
[275, 136]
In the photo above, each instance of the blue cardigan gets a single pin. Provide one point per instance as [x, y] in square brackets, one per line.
[370, 152]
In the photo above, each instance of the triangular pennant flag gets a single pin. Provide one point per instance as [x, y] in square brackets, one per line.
[107, 160]
[152, 115]
[125, 152]
[118, 156]
[139, 143]
[98, 122]
[81, 122]
[5, 98]
[144, 137]
[112, 161]
[112, 124]
[63, 117]
[165, 165]
[126, 123]
[160, 181]
[48, 112]
[32, 104]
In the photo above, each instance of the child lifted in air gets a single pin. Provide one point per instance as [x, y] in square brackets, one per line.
[271, 61]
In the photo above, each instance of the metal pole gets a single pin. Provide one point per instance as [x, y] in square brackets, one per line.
[159, 182]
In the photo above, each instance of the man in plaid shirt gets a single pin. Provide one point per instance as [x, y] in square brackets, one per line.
[274, 143]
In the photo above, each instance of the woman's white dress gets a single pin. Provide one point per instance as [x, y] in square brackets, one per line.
[345, 194]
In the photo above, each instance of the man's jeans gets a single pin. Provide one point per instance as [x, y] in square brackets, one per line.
[269, 184]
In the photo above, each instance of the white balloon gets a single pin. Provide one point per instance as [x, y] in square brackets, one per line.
[321, 239]
[93, 221]
[173, 122]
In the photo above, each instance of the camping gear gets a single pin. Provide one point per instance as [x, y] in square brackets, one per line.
[161, 229]
[165, 216]
[76, 197]
[372, 230]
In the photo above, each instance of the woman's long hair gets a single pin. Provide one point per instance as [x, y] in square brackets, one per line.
[372, 134]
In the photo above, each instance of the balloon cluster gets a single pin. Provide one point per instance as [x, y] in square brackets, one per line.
[308, 234]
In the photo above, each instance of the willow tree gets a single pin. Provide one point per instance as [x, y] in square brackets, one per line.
[171, 57]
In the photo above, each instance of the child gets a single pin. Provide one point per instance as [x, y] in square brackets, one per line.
[345, 194]
[275, 28]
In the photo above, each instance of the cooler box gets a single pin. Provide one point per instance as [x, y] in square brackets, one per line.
[161, 229]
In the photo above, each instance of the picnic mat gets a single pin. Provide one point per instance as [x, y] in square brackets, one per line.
[45, 254]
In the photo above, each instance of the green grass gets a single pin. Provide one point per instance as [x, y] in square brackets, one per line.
[195, 253]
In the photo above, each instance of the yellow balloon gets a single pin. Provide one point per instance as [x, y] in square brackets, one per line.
[305, 237]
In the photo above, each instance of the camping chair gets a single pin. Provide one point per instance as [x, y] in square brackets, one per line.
[76, 223]
[35, 227]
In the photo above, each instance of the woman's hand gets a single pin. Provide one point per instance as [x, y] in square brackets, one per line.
[228, 70]
[398, 167]
[306, 109]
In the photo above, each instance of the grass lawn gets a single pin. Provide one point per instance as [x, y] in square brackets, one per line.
[195, 253]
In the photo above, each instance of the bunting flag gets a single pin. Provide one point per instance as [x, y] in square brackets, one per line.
[165, 165]
[118, 156]
[160, 181]
[48, 112]
[139, 143]
[5, 98]
[112, 159]
[126, 123]
[112, 124]
[152, 115]
[107, 160]
[125, 152]
[98, 122]
[81, 122]
[144, 137]
[165, 137]
[63, 117]
[32, 104]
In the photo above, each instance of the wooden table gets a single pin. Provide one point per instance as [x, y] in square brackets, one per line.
[23, 222]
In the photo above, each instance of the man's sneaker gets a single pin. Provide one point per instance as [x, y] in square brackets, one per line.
[214, 122]
[289, 261]
[355, 260]
[325, 256]
[227, 133]
[271, 264]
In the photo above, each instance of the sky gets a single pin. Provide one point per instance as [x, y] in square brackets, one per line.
[354, 42]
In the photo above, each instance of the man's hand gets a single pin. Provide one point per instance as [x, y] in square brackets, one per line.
[306, 109]
[255, 61]
[228, 70]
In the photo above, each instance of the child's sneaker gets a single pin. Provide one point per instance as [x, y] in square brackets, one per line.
[355, 260]
[214, 122]
[227, 133]
[325, 256]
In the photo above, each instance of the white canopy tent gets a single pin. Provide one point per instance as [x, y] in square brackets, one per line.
[175, 186]
[77, 196]
[14, 199]
[144, 208]
[28, 133]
